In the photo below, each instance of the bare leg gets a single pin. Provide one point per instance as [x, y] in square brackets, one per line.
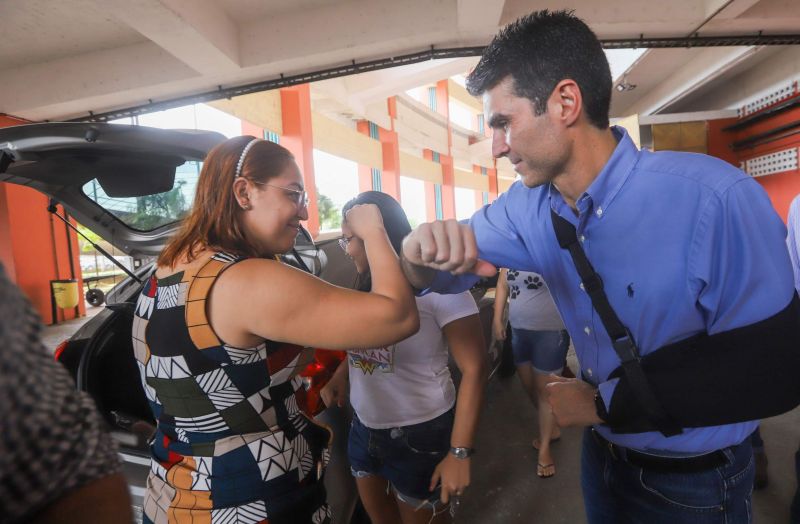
[528, 378]
[380, 505]
[424, 515]
[546, 466]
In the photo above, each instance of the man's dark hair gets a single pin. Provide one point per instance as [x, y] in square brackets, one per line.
[538, 51]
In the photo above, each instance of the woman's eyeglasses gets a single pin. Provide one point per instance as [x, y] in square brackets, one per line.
[344, 241]
[299, 196]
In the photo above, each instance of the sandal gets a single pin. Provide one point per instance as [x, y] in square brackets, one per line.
[540, 470]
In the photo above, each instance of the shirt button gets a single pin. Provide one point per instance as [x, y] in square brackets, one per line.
[587, 330]
[589, 372]
[583, 239]
[599, 211]
[582, 288]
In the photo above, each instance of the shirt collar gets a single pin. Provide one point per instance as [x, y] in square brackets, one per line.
[614, 174]
[601, 192]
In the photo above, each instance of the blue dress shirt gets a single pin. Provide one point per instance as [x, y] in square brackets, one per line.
[685, 243]
[793, 226]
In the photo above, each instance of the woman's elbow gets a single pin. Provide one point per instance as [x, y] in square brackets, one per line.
[409, 323]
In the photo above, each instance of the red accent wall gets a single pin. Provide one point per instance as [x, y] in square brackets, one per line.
[34, 246]
[781, 187]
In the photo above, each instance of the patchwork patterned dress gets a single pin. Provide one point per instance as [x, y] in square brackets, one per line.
[232, 443]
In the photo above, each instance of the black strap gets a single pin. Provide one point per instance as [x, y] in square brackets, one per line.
[621, 338]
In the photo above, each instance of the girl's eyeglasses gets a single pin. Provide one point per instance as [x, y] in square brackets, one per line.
[299, 196]
[344, 241]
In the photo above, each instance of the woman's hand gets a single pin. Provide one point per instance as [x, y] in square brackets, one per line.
[337, 391]
[364, 219]
[499, 330]
[454, 474]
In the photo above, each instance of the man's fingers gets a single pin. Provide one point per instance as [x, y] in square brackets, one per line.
[455, 235]
[425, 251]
[484, 269]
[446, 245]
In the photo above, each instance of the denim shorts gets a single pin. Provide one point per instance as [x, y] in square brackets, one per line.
[406, 456]
[545, 350]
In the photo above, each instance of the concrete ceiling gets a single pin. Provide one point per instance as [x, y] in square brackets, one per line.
[63, 59]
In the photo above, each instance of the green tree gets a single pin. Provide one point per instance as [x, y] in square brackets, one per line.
[330, 216]
[153, 211]
[86, 247]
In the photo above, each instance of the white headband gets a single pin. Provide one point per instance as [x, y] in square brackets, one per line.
[244, 154]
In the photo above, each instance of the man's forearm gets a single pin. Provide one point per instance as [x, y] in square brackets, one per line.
[420, 277]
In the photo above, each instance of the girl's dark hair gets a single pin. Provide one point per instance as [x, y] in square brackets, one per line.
[394, 220]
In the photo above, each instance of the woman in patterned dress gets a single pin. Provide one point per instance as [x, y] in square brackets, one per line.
[219, 332]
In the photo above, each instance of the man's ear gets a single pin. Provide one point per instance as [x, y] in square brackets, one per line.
[566, 102]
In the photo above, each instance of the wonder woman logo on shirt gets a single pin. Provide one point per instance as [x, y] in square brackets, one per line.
[368, 360]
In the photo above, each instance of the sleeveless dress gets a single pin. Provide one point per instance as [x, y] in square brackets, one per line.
[232, 444]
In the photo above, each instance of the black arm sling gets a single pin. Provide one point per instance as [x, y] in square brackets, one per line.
[743, 374]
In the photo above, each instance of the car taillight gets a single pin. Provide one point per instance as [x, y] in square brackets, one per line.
[60, 349]
[317, 374]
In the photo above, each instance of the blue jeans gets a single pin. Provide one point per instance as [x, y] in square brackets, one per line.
[405, 456]
[545, 350]
[616, 492]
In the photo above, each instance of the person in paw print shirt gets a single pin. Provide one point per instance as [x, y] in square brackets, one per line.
[539, 343]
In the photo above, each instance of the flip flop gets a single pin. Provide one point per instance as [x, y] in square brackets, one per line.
[541, 467]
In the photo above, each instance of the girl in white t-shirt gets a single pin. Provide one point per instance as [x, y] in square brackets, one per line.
[408, 431]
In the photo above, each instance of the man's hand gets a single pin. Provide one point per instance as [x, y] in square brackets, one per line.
[572, 401]
[454, 474]
[445, 245]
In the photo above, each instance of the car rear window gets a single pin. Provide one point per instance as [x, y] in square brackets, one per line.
[146, 213]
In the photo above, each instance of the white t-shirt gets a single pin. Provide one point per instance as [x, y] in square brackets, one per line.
[409, 382]
[530, 304]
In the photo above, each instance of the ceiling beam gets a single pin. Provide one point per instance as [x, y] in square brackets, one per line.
[197, 32]
[707, 65]
[84, 80]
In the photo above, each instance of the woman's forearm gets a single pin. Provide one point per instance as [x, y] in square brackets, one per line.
[468, 407]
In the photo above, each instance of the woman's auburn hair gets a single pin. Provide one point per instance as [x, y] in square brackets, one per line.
[215, 220]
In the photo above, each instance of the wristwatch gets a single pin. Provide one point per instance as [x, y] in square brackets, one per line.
[600, 406]
[462, 453]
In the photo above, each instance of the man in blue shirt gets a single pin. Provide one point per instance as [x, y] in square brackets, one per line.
[685, 245]
[793, 243]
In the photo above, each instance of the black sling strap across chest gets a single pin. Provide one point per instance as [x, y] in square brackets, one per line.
[621, 338]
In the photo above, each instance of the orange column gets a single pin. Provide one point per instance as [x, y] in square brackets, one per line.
[448, 187]
[364, 172]
[33, 245]
[478, 194]
[298, 138]
[390, 179]
[448, 170]
[430, 191]
[493, 186]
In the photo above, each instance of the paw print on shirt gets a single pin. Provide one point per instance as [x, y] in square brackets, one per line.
[533, 282]
[512, 274]
[514, 291]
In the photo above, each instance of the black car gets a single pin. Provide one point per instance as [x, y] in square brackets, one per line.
[131, 185]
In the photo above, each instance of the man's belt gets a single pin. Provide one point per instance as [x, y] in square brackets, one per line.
[661, 464]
